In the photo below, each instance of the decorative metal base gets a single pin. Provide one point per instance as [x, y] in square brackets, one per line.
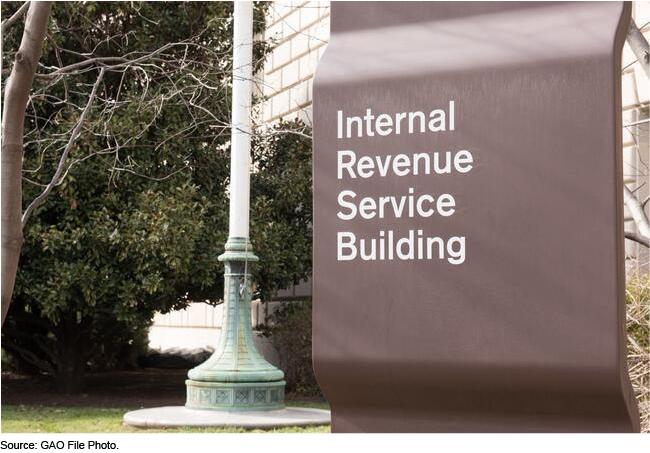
[236, 377]
[227, 396]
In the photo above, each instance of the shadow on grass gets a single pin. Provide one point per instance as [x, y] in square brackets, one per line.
[31, 404]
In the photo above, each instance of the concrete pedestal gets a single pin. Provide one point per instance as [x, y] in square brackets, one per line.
[183, 417]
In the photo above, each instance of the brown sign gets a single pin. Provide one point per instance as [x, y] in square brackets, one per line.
[468, 254]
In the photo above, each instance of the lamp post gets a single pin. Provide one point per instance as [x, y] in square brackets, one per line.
[236, 377]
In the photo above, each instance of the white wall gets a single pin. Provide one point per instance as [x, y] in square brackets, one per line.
[301, 32]
[199, 326]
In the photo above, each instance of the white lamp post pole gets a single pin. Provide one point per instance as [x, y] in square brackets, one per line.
[236, 377]
[241, 120]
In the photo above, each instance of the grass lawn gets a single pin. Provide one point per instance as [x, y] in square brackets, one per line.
[46, 419]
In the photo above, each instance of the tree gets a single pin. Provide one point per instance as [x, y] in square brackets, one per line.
[143, 62]
[16, 94]
[281, 208]
[127, 136]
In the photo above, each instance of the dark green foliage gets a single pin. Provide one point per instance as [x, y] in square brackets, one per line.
[138, 222]
[281, 206]
[289, 330]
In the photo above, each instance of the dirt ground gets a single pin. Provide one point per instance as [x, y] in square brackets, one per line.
[143, 388]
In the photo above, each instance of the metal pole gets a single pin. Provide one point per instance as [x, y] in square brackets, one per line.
[237, 377]
[241, 119]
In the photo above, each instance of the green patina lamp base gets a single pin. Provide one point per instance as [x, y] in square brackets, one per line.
[236, 377]
[230, 396]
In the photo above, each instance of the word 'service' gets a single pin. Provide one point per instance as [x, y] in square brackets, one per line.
[387, 245]
[410, 205]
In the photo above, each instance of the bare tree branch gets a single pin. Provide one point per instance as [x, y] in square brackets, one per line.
[64, 156]
[151, 178]
[639, 46]
[9, 22]
[111, 63]
[636, 210]
[637, 238]
[286, 131]
[29, 356]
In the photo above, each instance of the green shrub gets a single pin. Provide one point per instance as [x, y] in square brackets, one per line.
[122, 349]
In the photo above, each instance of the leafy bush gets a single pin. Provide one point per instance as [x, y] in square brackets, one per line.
[281, 208]
[289, 330]
[121, 351]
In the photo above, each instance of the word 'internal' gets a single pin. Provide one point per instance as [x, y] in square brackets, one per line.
[385, 124]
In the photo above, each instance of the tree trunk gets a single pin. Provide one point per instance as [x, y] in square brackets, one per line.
[71, 373]
[71, 357]
[15, 100]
